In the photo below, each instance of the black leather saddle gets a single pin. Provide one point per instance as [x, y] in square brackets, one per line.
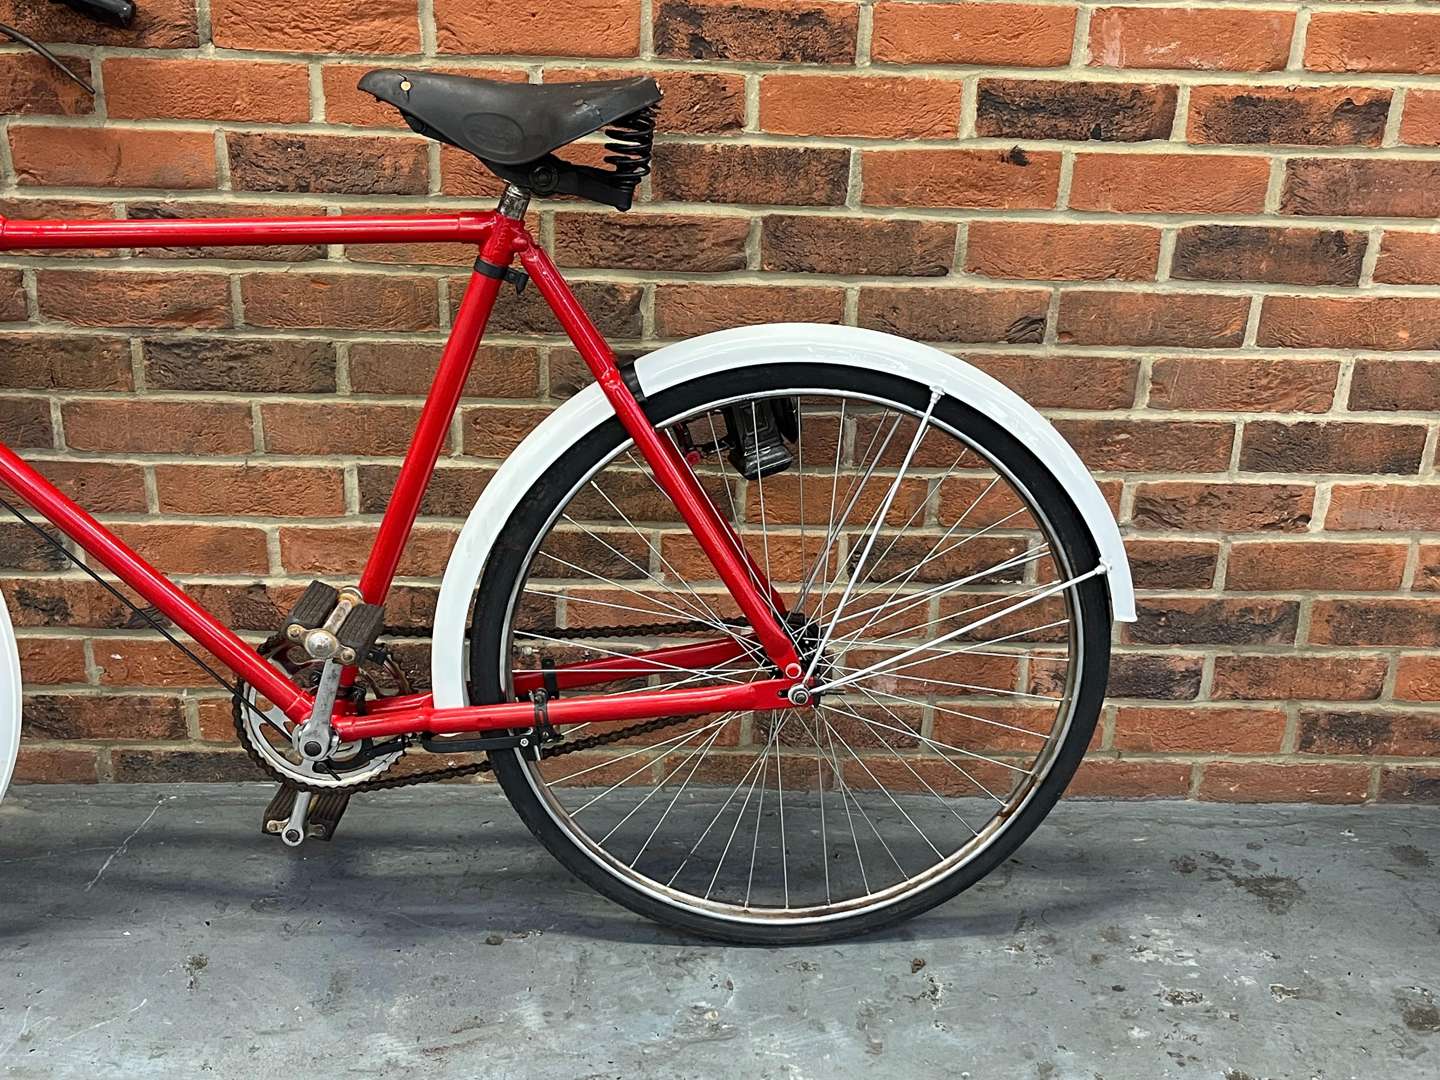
[514, 128]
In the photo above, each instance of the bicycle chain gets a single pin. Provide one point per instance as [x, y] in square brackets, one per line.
[453, 772]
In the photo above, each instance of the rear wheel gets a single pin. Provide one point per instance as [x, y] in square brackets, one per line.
[935, 576]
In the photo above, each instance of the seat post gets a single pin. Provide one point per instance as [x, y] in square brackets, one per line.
[514, 202]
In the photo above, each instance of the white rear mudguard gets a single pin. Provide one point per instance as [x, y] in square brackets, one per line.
[781, 343]
[9, 698]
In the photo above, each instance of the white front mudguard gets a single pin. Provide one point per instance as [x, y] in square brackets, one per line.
[782, 343]
[9, 698]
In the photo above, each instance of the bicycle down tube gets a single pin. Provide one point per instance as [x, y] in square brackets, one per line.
[500, 239]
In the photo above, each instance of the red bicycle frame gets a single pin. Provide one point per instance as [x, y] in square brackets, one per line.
[500, 239]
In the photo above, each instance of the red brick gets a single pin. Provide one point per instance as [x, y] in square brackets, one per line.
[44, 765]
[1260, 782]
[1204, 729]
[383, 26]
[496, 430]
[1172, 564]
[1066, 382]
[408, 368]
[1151, 676]
[113, 716]
[687, 310]
[341, 164]
[1195, 321]
[614, 309]
[796, 31]
[159, 24]
[1114, 778]
[539, 28]
[240, 365]
[340, 301]
[25, 423]
[1370, 733]
[141, 88]
[345, 549]
[706, 244]
[1409, 258]
[1270, 446]
[62, 362]
[1290, 115]
[1384, 507]
[133, 298]
[1257, 253]
[1334, 187]
[1420, 120]
[1199, 38]
[1170, 183]
[1243, 385]
[1042, 251]
[1269, 565]
[1393, 385]
[777, 175]
[1408, 784]
[1268, 677]
[891, 107]
[102, 487]
[158, 427]
[31, 85]
[1181, 620]
[955, 314]
[1417, 678]
[1112, 112]
[1351, 322]
[48, 661]
[462, 175]
[1370, 41]
[250, 490]
[382, 430]
[452, 491]
[1149, 445]
[1222, 507]
[1012, 35]
[182, 766]
[197, 549]
[148, 662]
[113, 157]
[1411, 623]
[1427, 569]
[810, 244]
[981, 179]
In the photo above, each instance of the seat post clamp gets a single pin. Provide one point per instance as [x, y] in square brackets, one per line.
[518, 278]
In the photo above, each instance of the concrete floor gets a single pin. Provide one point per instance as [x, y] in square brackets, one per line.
[151, 931]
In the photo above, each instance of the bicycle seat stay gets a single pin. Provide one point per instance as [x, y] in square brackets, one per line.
[514, 128]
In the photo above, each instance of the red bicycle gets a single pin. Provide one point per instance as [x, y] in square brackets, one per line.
[776, 635]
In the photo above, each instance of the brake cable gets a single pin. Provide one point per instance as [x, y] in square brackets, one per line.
[35, 47]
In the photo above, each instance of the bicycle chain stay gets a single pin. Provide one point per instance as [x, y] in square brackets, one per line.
[453, 772]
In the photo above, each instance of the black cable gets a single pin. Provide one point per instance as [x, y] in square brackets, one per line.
[32, 44]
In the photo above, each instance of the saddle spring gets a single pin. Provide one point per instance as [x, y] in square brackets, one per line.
[633, 139]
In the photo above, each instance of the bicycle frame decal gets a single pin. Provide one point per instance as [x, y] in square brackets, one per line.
[500, 240]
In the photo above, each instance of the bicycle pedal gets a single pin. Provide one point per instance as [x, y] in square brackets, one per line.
[334, 623]
[321, 817]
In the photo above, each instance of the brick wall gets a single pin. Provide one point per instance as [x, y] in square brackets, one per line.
[1201, 238]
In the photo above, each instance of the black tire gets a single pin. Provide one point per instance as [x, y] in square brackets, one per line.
[508, 564]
